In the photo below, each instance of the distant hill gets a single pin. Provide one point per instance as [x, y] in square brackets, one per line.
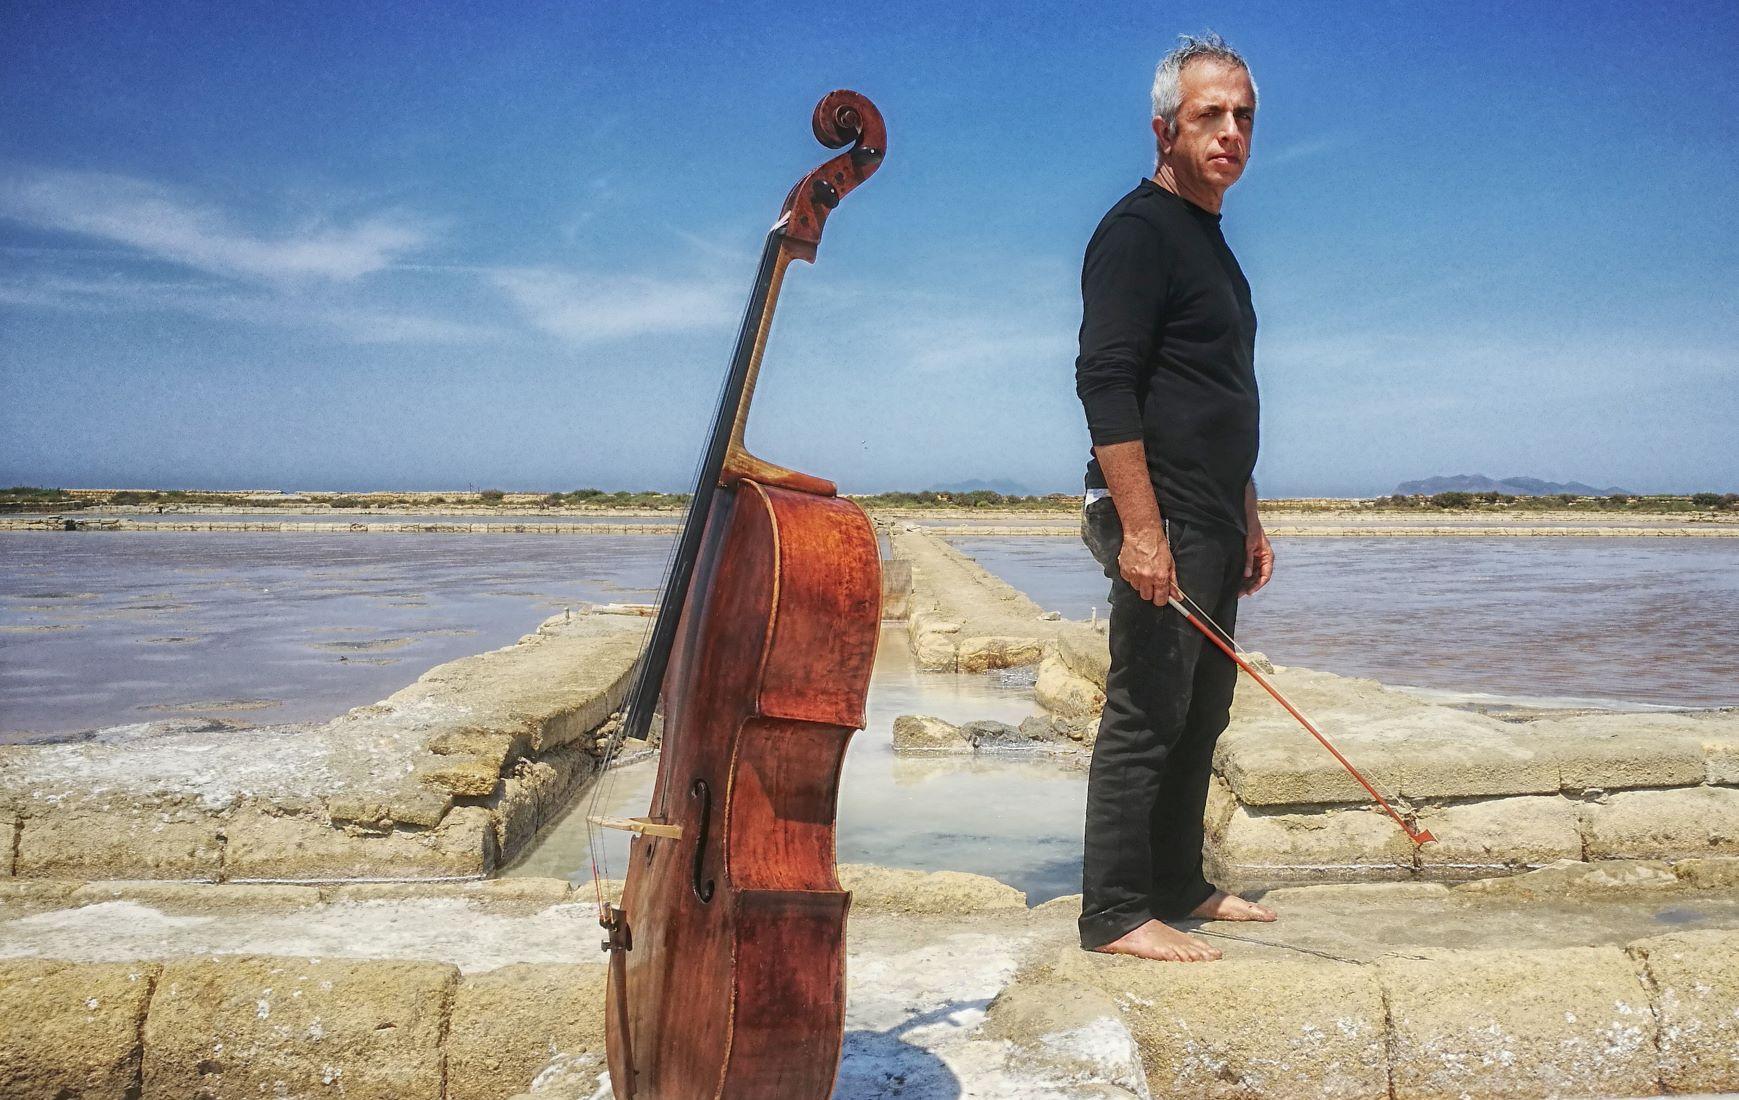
[1514, 486]
[1000, 485]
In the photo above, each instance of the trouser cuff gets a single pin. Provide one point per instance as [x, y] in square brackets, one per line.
[1111, 925]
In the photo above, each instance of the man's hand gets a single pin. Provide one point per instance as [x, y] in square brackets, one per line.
[1145, 562]
[1258, 561]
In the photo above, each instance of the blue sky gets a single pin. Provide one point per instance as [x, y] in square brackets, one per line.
[354, 246]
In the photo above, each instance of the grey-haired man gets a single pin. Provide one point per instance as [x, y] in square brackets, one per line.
[1166, 375]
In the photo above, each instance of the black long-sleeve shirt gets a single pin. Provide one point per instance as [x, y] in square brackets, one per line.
[1168, 342]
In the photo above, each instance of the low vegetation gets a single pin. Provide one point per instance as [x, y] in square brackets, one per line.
[31, 498]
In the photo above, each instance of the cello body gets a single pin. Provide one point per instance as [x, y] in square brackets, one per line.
[727, 952]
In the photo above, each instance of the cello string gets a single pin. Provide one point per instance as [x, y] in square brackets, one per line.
[604, 786]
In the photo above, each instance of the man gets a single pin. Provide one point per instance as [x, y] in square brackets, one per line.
[1166, 374]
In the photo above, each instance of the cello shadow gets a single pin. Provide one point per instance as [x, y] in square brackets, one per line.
[884, 1064]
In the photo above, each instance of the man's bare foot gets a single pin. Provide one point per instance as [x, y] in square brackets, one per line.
[1154, 940]
[1224, 906]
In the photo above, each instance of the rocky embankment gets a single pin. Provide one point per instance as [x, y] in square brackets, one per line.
[1560, 982]
[448, 778]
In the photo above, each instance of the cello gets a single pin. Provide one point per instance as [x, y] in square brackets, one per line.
[727, 951]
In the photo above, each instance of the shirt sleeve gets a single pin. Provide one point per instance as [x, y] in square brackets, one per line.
[1123, 290]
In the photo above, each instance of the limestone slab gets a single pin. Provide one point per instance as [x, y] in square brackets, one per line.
[71, 1030]
[1301, 845]
[255, 1025]
[1694, 978]
[1623, 751]
[462, 776]
[1670, 824]
[119, 842]
[1504, 832]
[981, 653]
[508, 1022]
[922, 731]
[1564, 1022]
[1721, 753]
[898, 890]
[261, 846]
[1087, 653]
[1245, 1028]
[1062, 691]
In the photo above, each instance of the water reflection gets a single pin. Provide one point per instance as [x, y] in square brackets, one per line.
[1015, 819]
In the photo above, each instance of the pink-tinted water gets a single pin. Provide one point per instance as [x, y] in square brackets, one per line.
[1634, 620]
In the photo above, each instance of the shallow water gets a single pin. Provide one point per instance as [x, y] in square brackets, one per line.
[110, 628]
[1642, 621]
[363, 515]
[1017, 819]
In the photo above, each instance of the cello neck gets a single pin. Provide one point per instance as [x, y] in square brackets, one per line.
[738, 463]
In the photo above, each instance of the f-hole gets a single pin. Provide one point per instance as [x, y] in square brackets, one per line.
[703, 887]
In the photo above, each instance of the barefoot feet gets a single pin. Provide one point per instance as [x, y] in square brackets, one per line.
[1154, 940]
[1224, 906]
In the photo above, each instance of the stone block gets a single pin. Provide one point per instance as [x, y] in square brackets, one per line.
[1505, 832]
[982, 653]
[252, 1025]
[1087, 653]
[1709, 874]
[1300, 846]
[1694, 979]
[945, 893]
[123, 842]
[1671, 824]
[933, 641]
[262, 846]
[921, 731]
[508, 1022]
[33, 893]
[1274, 762]
[1622, 751]
[1563, 1022]
[1219, 809]
[1060, 690]
[1421, 753]
[1721, 753]
[463, 776]
[516, 813]
[474, 742]
[1247, 1028]
[71, 1030]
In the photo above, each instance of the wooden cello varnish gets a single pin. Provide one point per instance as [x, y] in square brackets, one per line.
[727, 954]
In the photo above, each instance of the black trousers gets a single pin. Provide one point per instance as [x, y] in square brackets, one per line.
[1167, 699]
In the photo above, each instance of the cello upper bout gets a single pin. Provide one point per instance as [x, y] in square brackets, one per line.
[827, 611]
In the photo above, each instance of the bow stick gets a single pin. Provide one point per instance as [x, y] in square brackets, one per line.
[1416, 835]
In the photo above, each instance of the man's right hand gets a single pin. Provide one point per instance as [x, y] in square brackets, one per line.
[1145, 562]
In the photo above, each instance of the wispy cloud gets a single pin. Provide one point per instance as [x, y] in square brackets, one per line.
[584, 308]
[355, 322]
[166, 224]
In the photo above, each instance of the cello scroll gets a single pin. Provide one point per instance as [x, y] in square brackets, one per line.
[842, 117]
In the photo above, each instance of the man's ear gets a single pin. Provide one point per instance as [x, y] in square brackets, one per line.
[1160, 135]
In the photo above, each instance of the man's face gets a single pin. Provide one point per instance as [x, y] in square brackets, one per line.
[1214, 121]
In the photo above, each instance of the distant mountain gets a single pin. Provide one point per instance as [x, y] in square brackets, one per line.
[1001, 485]
[1513, 486]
